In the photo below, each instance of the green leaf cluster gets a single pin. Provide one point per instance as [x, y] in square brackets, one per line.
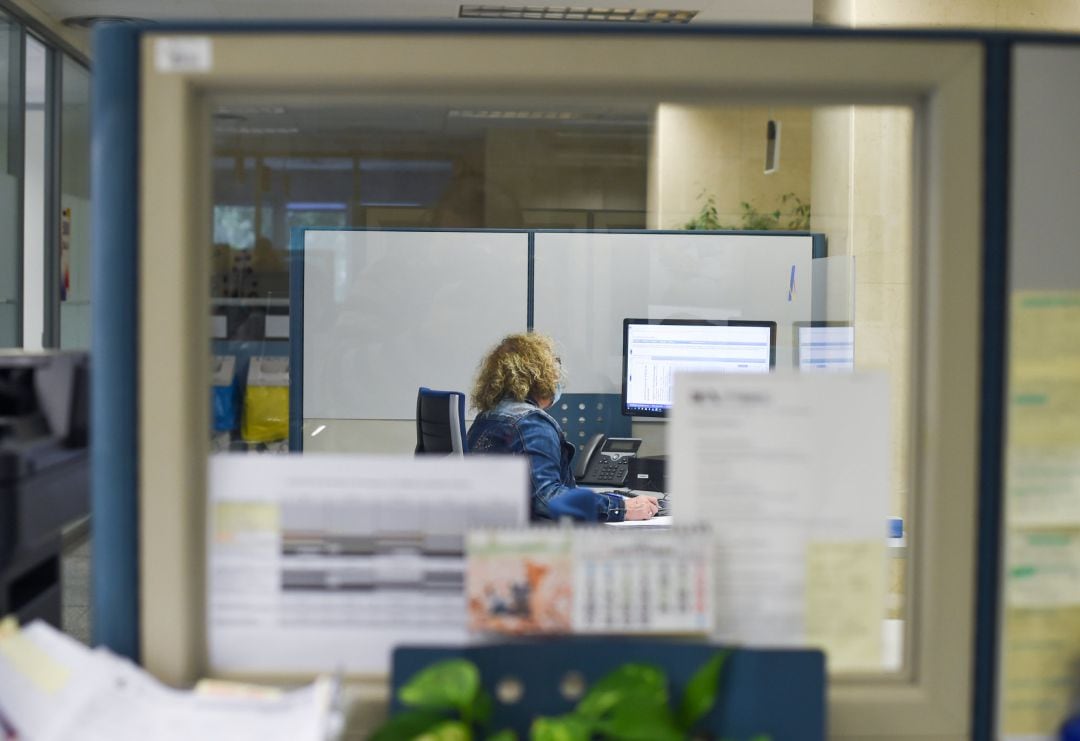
[631, 703]
[446, 703]
[792, 214]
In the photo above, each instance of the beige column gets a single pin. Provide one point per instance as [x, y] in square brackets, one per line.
[719, 152]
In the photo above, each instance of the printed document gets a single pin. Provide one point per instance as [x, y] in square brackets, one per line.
[792, 473]
[319, 563]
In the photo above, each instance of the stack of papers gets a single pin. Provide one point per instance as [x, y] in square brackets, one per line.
[53, 687]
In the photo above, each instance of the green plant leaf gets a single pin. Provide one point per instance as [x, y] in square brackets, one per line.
[481, 708]
[701, 691]
[639, 684]
[408, 725]
[504, 735]
[635, 722]
[452, 683]
[449, 730]
[569, 727]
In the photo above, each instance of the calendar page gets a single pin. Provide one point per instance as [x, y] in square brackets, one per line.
[589, 581]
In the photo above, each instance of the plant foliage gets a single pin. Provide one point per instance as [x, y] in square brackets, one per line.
[792, 214]
[631, 703]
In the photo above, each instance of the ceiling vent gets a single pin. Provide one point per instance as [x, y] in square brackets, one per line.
[563, 13]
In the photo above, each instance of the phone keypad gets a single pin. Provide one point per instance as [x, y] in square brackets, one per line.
[610, 471]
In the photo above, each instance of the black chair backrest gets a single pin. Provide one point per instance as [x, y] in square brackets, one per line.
[440, 422]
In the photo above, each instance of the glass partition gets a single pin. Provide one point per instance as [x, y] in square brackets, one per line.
[10, 183]
[595, 213]
[35, 194]
[74, 232]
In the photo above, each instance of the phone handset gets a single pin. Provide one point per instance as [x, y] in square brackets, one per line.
[586, 455]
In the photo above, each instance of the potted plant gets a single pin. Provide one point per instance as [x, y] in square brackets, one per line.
[632, 703]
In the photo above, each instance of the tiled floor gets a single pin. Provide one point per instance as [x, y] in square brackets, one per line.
[75, 582]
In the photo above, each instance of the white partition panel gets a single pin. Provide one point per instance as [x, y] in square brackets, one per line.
[388, 311]
[586, 284]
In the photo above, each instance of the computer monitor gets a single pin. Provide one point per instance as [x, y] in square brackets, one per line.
[654, 350]
[824, 346]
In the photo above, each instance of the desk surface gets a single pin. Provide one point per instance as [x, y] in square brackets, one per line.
[660, 522]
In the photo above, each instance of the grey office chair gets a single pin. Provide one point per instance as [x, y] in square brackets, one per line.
[440, 422]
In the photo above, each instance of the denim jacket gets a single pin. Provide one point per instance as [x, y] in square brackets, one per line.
[522, 427]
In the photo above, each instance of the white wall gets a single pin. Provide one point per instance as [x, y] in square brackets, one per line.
[700, 151]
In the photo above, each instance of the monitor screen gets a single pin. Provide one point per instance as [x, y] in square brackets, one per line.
[654, 350]
[824, 346]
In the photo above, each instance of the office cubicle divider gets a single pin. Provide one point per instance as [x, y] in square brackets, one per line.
[116, 158]
[428, 294]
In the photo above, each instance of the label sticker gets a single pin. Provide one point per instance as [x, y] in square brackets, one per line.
[183, 54]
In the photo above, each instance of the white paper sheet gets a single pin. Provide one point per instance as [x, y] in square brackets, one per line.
[776, 464]
[93, 695]
[325, 562]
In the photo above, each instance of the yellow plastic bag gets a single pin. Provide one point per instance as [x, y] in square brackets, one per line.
[266, 400]
[266, 414]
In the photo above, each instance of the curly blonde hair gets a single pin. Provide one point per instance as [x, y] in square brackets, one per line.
[520, 367]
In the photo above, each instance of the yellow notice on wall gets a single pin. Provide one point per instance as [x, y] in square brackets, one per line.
[1043, 474]
[1045, 335]
[1043, 487]
[1041, 651]
[1043, 568]
[1041, 632]
[845, 602]
[232, 519]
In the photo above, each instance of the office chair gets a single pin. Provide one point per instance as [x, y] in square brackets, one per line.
[440, 422]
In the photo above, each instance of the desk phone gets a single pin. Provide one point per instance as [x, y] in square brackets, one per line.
[605, 461]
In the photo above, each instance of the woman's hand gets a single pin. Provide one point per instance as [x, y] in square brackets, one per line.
[641, 507]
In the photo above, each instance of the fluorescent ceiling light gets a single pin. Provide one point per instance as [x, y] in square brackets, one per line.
[89, 21]
[515, 115]
[249, 110]
[566, 13]
[257, 130]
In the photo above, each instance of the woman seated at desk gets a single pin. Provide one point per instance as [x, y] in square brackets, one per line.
[517, 382]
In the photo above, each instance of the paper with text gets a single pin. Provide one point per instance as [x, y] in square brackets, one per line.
[1040, 687]
[320, 562]
[1043, 568]
[777, 465]
[844, 584]
[1040, 643]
